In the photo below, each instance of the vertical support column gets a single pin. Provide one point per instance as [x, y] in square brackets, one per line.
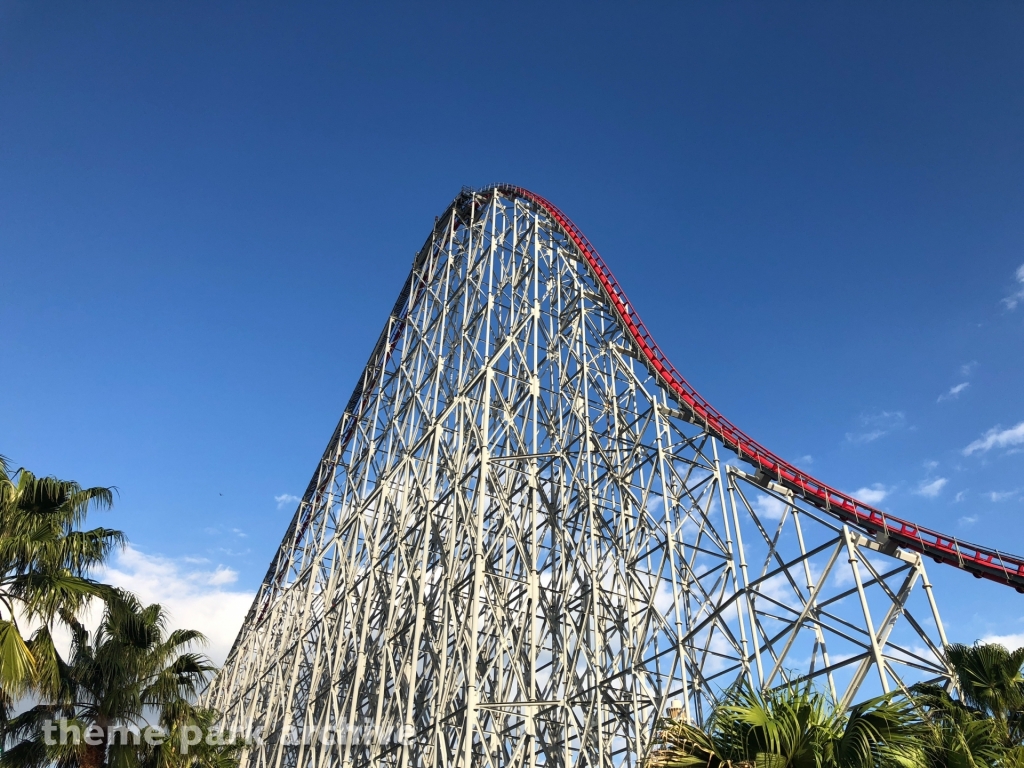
[669, 505]
[927, 586]
[533, 574]
[472, 689]
[876, 652]
[812, 596]
[746, 597]
[745, 650]
[899, 601]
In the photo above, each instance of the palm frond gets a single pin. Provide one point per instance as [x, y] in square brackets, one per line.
[185, 637]
[17, 665]
[988, 676]
[51, 670]
[31, 753]
[682, 745]
[45, 594]
[883, 729]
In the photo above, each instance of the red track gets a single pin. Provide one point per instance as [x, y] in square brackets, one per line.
[981, 561]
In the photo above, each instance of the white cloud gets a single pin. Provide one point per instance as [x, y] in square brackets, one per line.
[1000, 495]
[769, 507]
[808, 459]
[865, 437]
[873, 495]
[954, 392]
[195, 598]
[285, 499]
[968, 520]
[222, 575]
[1010, 641]
[931, 488]
[877, 424]
[968, 368]
[1014, 299]
[960, 495]
[997, 437]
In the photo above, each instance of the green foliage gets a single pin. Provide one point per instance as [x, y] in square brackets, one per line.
[989, 679]
[44, 565]
[796, 728]
[17, 665]
[980, 728]
[223, 752]
[129, 666]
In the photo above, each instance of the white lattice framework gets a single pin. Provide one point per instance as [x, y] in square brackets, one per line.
[519, 546]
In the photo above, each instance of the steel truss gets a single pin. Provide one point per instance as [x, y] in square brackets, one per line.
[518, 547]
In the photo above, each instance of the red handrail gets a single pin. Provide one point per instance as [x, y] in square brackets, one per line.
[982, 562]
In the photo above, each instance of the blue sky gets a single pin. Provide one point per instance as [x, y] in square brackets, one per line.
[207, 210]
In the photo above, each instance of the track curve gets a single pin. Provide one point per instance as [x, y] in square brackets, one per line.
[982, 562]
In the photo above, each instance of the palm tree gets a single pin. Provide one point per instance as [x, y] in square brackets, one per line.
[174, 719]
[130, 667]
[795, 727]
[44, 564]
[981, 727]
[960, 737]
[989, 679]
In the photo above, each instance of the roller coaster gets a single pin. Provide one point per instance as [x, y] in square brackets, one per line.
[529, 534]
[982, 562]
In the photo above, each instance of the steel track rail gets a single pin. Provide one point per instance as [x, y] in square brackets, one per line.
[982, 562]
